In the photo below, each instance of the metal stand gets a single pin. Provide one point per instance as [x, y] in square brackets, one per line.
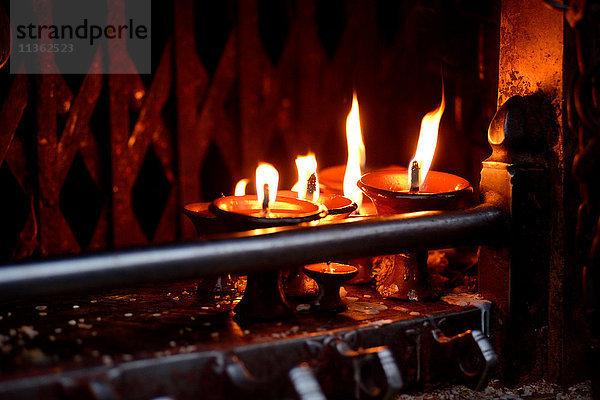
[264, 299]
[405, 277]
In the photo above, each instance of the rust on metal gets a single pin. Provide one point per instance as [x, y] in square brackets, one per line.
[12, 153]
[535, 63]
[117, 337]
[129, 95]
[57, 150]
[202, 101]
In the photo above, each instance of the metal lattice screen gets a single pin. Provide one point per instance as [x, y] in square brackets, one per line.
[94, 162]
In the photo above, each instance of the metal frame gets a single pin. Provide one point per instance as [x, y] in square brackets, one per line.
[372, 361]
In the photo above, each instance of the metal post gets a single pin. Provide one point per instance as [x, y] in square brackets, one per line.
[535, 279]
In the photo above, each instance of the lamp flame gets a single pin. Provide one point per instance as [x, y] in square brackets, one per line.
[307, 186]
[240, 187]
[430, 125]
[267, 178]
[356, 154]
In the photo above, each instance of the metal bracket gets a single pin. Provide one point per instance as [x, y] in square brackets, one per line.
[301, 380]
[373, 371]
[305, 383]
[469, 356]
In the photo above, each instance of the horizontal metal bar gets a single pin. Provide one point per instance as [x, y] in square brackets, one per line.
[258, 250]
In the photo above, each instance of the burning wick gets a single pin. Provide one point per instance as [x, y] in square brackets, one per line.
[265, 203]
[428, 135]
[240, 187]
[415, 171]
[307, 186]
[329, 269]
[267, 180]
[311, 186]
[356, 155]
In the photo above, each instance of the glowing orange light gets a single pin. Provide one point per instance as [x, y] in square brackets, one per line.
[427, 140]
[240, 187]
[307, 167]
[356, 154]
[266, 175]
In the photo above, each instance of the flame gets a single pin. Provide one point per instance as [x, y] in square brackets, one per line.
[430, 126]
[356, 154]
[307, 166]
[266, 174]
[240, 187]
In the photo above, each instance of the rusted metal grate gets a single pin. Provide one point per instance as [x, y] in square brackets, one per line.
[234, 82]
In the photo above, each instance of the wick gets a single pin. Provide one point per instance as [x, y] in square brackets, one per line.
[265, 203]
[414, 177]
[311, 186]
